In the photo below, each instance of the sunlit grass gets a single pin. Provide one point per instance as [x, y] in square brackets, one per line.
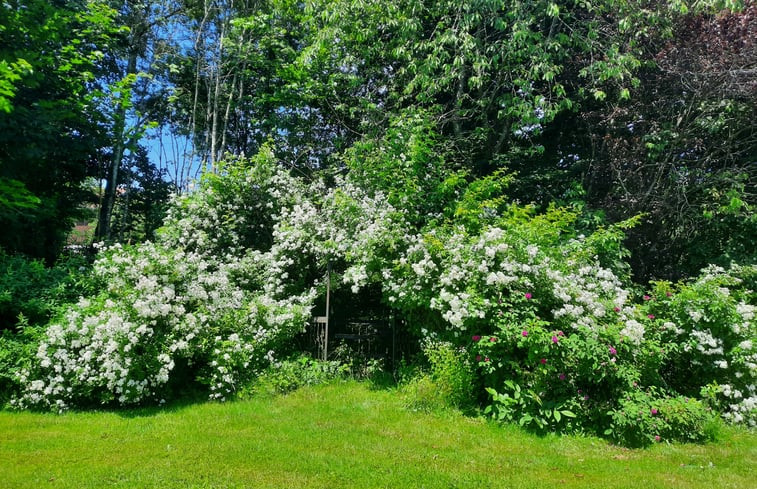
[340, 435]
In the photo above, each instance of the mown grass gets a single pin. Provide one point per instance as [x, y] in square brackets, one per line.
[342, 435]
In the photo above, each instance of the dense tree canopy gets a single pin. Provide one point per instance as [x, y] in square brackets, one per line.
[51, 134]
[631, 107]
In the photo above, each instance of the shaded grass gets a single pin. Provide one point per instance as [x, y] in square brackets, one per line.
[342, 435]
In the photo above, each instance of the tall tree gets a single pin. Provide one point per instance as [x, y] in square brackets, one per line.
[50, 130]
[682, 150]
[129, 102]
[142, 199]
[209, 81]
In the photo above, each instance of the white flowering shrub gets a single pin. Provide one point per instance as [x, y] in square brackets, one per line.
[207, 304]
[471, 281]
[710, 330]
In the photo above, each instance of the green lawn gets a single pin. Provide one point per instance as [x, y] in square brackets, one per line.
[340, 435]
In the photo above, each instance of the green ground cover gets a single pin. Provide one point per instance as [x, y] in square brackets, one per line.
[338, 435]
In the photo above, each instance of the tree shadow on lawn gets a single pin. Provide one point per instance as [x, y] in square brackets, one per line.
[149, 410]
[181, 392]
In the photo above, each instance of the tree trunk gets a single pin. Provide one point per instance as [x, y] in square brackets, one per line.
[102, 232]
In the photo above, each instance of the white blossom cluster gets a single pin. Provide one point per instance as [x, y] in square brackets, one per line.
[233, 211]
[464, 278]
[590, 296]
[742, 406]
[346, 223]
[468, 279]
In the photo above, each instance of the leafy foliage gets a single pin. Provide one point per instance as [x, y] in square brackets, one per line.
[643, 418]
[710, 331]
[289, 375]
[50, 131]
[681, 151]
[16, 352]
[448, 382]
[31, 293]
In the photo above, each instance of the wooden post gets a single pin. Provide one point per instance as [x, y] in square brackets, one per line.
[328, 304]
[394, 341]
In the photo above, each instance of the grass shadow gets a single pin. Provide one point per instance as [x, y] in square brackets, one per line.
[150, 410]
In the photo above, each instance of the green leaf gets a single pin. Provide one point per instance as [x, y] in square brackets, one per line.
[735, 204]
[14, 195]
